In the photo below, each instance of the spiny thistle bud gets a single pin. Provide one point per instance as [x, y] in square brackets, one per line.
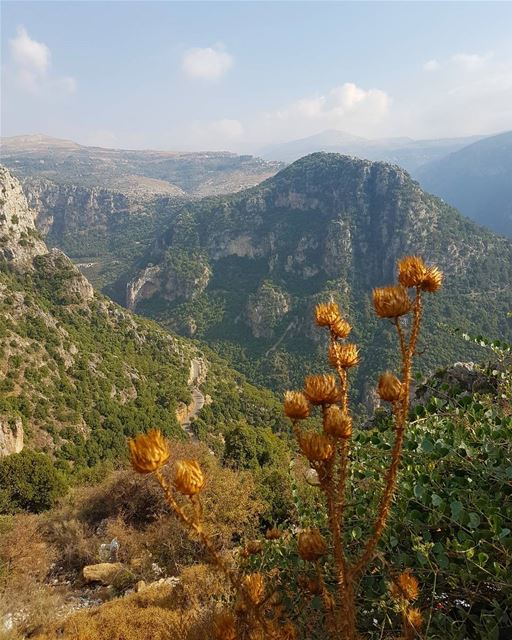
[343, 355]
[254, 587]
[273, 534]
[405, 586]
[296, 405]
[390, 387]
[321, 389]
[315, 446]
[414, 618]
[311, 545]
[340, 328]
[254, 547]
[326, 314]
[433, 280]
[149, 451]
[337, 423]
[411, 271]
[224, 626]
[189, 478]
[391, 302]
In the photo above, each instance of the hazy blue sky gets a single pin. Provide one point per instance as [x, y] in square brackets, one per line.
[238, 75]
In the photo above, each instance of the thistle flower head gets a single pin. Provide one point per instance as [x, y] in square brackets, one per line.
[315, 446]
[411, 271]
[337, 423]
[321, 389]
[253, 547]
[391, 302]
[432, 280]
[311, 545]
[414, 618]
[224, 626]
[273, 534]
[406, 586]
[389, 388]
[254, 586]
[296, 405]
[189, 478]
[149, 451]
[326, 314]
[340, 328]
[343, 355]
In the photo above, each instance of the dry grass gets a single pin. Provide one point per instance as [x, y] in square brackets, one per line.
[183, 612]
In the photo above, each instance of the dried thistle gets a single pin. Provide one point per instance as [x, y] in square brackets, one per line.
[432, 280]
[406, 586]
[326, 314]
[273, 534]
[391, 302]
[343, 355]
[411, 271]
[224, 626]
[321, 389]
[311, 545]
[296, 405]
[149, 452]
[315, 446]
[389, 388]
[337, 423]
[188, 479]
[340, 328]
[254, 586]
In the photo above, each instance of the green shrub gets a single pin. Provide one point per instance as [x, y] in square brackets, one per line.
[29, 482]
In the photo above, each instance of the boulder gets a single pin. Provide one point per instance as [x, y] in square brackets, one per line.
[105, 573]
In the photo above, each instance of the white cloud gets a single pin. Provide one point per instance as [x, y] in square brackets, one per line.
[31, 66]
[431, 65]
[29, 54]
[344, 107]
[210, 63]
[472, 61]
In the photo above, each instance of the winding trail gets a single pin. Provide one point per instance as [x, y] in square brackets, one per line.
[198, 398]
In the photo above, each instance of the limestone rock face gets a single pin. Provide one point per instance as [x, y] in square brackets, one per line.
[19, 240]
[11, 436]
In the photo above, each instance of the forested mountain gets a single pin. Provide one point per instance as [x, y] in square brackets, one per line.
[244, 271]
[79, 373]
[477, 180]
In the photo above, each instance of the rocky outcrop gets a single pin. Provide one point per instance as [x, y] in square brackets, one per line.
[265, 309]
[106, 573]
[11, 436]
[19, 240]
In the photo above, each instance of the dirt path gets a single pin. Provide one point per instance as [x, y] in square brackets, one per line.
[198, 399]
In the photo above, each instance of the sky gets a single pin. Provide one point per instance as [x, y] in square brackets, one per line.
[243, 75]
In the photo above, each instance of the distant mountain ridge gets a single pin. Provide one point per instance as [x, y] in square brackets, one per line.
[477, 180]
[133, 172]
[406, 152]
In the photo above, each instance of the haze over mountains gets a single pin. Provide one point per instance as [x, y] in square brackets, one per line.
[477, 180]
[406, 152]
